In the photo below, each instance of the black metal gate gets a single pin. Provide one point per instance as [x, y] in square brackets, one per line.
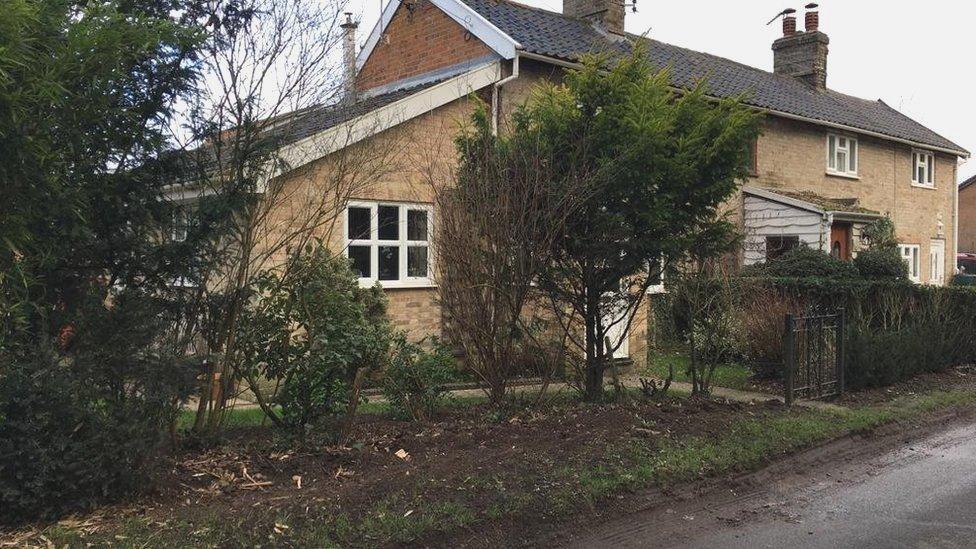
[814, 356]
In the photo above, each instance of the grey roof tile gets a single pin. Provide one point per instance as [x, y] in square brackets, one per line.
[555, 35]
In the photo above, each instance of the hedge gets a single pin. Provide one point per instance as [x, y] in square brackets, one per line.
[895, 329]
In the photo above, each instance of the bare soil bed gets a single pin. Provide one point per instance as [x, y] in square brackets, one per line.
[399, 482]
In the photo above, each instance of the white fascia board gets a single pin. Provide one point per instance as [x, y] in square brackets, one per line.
[484, 29]
[460, 12]
[339, 137]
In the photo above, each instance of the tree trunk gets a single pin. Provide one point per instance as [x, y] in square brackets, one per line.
[593, 376]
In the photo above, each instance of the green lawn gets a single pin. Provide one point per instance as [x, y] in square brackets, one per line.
[732, 376]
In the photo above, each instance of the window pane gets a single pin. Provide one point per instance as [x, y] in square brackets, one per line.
[358, 223]
[389, 222]
[920, 175]
[360, 261]
[930, 173]
[416, 225]
[853, 157]
[842, 161]
[389, 267]
[842, 142]
[832, 152]
[417, 261]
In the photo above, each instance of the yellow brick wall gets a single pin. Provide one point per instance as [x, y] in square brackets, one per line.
[792, 155]
[967, 219]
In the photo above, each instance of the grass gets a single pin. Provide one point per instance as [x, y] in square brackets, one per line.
[631, 465]
[746, 445]
[732, 376]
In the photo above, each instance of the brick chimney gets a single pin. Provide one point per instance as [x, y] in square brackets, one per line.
[349, 59]
[803, 54]
[609, 14]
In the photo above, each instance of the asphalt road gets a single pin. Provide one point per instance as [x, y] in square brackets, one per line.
[921, 495]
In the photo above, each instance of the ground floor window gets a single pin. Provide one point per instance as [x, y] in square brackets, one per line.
[779, 245]
[389, 242]
[910, 254]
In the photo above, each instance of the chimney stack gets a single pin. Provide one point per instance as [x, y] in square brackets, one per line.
[803, 55]
[349, 59]
[609, 14]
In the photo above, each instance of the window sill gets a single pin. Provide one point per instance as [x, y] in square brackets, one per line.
[843, 175]
[920, 186]
[419, 284]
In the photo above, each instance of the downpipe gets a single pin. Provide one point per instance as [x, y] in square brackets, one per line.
[495, 90]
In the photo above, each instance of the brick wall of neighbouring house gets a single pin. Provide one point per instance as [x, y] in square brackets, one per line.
[967, 219]
[417, 43]
[792, 155]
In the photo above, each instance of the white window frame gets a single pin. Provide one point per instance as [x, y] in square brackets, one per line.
[911, 254]
[659, 287]
[833, 166]
[402, 243]
[181, 222]
[926, 160]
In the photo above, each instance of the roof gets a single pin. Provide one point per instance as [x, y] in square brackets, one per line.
[812, 201]
[557, 36]
[310, 121]
[967, 183]
[292, 127]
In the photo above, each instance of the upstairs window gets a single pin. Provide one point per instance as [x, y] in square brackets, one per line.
[842, 155]
[389, 243]
[923, 169]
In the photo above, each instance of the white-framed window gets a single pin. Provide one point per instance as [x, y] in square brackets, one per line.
[923, 169]
[389, 242]
[842, 155]
[910, 254]
[182, 219]
[656, 272]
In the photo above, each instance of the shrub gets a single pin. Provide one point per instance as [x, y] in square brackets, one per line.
[415, 382]
[83, 424]
[762, 317]
[802, 262]
[881, 263]
[312, 331]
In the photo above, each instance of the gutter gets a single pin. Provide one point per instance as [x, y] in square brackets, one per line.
[960, 153]
[496, 90]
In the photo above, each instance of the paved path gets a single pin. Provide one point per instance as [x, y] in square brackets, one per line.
[921, 495]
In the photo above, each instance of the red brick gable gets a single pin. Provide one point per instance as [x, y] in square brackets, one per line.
[417, 43]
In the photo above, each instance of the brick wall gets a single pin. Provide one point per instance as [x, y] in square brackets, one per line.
[417, 43]
[967, 219]
[792, 155]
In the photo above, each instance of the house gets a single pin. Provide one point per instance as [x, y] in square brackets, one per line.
[967, 216]
[825, 166]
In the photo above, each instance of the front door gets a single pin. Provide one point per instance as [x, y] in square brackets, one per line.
[937, 261]
[840, 241]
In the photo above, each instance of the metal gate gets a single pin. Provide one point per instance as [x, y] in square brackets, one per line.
[814, 356]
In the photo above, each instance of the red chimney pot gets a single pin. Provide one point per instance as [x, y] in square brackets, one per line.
[812, 21]
[789, 25]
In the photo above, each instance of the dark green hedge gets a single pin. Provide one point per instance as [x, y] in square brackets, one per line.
[895, 329]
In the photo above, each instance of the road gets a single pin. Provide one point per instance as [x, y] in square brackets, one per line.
[921, 494]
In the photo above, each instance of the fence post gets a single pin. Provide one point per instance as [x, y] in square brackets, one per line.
[788, 357]
[841, 334]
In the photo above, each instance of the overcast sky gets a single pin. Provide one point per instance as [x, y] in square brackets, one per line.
[917, 57]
